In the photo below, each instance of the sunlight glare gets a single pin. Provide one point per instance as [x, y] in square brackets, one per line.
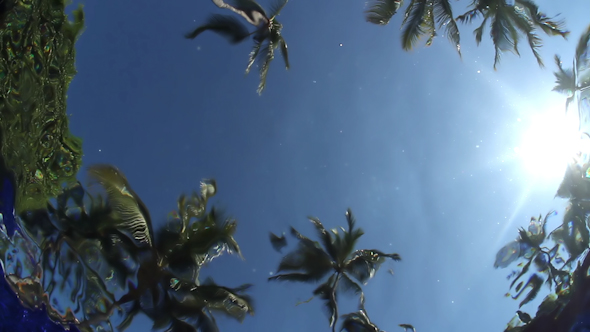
[549, 144]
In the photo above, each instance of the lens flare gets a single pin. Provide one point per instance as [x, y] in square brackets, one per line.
[549, 144]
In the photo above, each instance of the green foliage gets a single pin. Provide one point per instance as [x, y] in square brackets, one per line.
[267, 36]
[36, 67]
[107, 236]
[509, 22]
[311, 262]
[422, 18]
[571, 80]
[554, 258]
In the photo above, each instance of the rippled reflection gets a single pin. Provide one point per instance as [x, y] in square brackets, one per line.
[91, 258]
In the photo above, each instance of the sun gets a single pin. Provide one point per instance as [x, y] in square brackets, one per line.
[549, 143]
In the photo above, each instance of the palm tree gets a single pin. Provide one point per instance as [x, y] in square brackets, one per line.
[312, 263]
[179, 299]
[156, 281]
[186, 244]
[188, 307]
[577, 78]
[508, 22]
[267, 36]
[421, 19]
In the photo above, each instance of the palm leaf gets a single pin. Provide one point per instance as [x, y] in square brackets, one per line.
[359, 321]
[284, 52]
[407, 327]
[212, 235]
[381, 11]
[444, 17]
[503, 35]
[365, 262]
[295, 276]
[230, 301]
[347, 285]
[547, 24]
[535, 282]
[265, 61]
[227, 26]
[276, 7]
[413, 27]
[327, 292]
[428, 25]
[308, 258]
[180, 326]
[248, 9]
[130, 214]
[478, 32]
[278, 242]
[525, 25]
[346, 244]
[206, 323]
[247, 5]
[253, 55]
[350, 220]
[582, 56]
[325, 237]
[468, 16]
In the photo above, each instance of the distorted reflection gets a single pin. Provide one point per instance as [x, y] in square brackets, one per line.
[91, 259]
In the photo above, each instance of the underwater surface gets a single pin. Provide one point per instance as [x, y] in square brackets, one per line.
[352, 166]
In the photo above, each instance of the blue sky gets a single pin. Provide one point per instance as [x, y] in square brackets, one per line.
[421, 145]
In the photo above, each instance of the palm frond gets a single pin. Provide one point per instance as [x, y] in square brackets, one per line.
[535, 282]
[327, 292]
[213, 235]
[359, 321]
[444, 17]
[468, 16]
[248, 9]
[230, 301]
[525, 25]
[227, 26]
[381, 11]
[295, 277]
[347, 285]
[345, 244]
[350, 220]
[308, 258]
[582, 57]
[503, 35]
[206, 323]
[178, 325]
[278, 242]
[276, 7]
[478, 32]
[284, 52]
[249, 5]
[365, 262]
[130, 214]
[325, 237]
[265, 61]
[253, 55]
[547, 24]
[407, 327]
[429, 25]
[413, 27]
